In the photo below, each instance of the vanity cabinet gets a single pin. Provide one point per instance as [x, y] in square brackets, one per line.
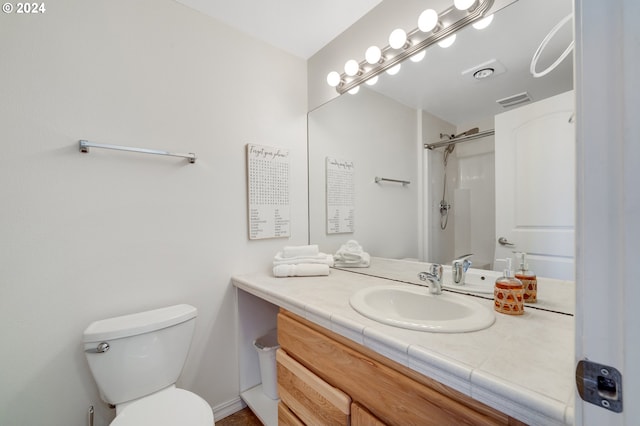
[376, 389]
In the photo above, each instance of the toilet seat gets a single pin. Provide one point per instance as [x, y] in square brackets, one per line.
[169, 407]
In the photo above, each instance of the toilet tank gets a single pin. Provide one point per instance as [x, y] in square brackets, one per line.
[146, 351]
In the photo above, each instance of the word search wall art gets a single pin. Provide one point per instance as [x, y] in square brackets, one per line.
[268, 191]
[340, 196]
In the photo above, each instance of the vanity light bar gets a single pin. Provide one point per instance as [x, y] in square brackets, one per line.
[460, 20]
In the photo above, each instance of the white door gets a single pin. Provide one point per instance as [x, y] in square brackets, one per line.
[535, 185]
[608, 221]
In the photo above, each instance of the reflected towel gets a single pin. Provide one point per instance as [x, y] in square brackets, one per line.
[301, 270]
[363, 261]
[351, 255]
[297, 251]
[322, 258]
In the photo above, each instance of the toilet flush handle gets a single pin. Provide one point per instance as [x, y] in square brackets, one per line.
[101, 348]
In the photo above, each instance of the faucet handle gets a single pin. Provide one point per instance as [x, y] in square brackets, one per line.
[436, 271]
[464, 256]
[459, 268]
[466, 264]
[434, 276]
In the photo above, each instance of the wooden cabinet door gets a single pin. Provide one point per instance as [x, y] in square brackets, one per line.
[311, 399]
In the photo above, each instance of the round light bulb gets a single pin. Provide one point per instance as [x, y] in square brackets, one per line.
[483, 23]
[397, 38]
[333, 79]
[351, 67]
[463, 4]
[354, 90]
[373, 80]
[428, 20]
[447, 41]
[394, 70]
[373, 55]
[418, 56]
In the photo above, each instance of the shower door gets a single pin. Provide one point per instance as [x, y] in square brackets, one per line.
[535, 185]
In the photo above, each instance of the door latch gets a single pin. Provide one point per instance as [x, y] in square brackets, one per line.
[600, 385]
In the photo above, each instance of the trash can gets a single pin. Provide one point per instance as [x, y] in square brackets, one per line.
[266, 347]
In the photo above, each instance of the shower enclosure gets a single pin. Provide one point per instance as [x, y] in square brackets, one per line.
[460, 199]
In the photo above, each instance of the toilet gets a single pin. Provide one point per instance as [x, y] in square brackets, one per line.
[136, 360]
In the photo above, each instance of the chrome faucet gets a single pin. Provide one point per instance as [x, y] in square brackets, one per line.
[434, 276]
[459, 268]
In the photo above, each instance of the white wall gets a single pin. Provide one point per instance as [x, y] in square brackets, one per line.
[379, 135]
[89, 236]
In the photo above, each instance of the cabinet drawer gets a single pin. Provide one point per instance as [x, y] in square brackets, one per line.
[310, 398]
[286, 416]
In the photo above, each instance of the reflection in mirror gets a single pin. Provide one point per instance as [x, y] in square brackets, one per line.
[449, 207]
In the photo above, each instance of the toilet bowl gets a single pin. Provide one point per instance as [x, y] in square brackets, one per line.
[136, 359]
[168, 407]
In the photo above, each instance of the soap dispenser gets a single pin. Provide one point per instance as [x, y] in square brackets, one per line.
[508, 293]
[528, 278]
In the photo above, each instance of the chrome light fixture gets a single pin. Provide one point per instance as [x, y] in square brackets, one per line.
[403, 45]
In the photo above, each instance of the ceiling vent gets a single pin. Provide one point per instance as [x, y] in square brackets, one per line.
[518, 99]
[494, 65]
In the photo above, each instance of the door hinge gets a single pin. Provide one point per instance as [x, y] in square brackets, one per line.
[600, 385]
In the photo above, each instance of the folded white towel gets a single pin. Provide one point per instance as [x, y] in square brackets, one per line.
[279, 259]
[301, 270]
[362, 262]
[296, 251]
[349, 256]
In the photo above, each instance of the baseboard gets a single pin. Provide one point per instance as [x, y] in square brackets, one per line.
[226, 409]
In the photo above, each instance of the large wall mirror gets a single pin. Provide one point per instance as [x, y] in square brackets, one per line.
[382, 130]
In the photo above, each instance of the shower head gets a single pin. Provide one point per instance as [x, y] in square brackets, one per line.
[467, 133]
[459, 135]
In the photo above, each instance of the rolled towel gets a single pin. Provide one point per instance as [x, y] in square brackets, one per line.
[296, 251]
[301, 270]
[362, 262]
[351, 255]
[350, 250]
[351, 246]
[324, 258]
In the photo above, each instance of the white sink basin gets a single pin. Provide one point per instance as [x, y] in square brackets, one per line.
[417, 309]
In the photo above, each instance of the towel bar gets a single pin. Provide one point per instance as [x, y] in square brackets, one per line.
[381, 179]
[85, 145]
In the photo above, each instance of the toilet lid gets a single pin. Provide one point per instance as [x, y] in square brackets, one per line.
[171, 407]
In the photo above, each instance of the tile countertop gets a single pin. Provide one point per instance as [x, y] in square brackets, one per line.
[521, 365]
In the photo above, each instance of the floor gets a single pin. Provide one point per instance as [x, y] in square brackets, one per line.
[244, 417]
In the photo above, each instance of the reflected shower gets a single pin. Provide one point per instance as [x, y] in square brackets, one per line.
[444, 205]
